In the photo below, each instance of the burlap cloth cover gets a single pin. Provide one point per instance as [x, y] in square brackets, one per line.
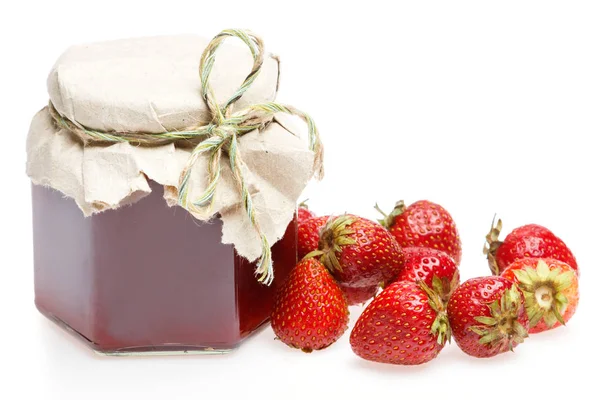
[152, 85]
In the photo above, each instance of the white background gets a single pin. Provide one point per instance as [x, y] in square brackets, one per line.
[484, 107]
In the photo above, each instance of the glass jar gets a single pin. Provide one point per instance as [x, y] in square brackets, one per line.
[147, 278]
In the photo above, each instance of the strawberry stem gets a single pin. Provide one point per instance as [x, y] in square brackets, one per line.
[492, 243]
[303, 203]
[388, 219]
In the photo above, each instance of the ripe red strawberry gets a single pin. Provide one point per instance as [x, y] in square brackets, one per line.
[308, 235]
[551, 291]
[310, 311]
[405, 324]
[487, 316]
[421, 263]
[424, 224]
[359, 294]
[359, 252]
[528, 241]
[304, 213]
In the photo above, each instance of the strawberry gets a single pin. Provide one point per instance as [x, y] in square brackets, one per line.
[308, 235]
[435, 268]
[304, 213]
[356, 295]
[551, 291]
[423, 224]
[404, 324]
[528, 241]
[310, 311]
[359, 252]
[356, 291]
[487, 316]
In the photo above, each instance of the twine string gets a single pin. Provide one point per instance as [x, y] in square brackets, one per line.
[220, 135]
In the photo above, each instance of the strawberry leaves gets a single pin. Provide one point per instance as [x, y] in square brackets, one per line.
[543, 289]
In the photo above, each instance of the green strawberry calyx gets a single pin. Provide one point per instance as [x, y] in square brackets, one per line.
[492, 243]
[502, 328]
[440, 328]
[335, 234]
[543, 290]
[445, 287]
[313, 254]
[388, 219]
[303, 204]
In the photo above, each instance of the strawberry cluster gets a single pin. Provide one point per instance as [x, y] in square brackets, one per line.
[406, 265]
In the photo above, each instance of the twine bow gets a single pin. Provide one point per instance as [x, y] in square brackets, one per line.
[219, 136]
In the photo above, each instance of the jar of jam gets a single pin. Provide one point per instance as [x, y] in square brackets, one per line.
[147, 278]
[123, 259]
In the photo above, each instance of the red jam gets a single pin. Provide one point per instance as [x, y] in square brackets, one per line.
[147, 277]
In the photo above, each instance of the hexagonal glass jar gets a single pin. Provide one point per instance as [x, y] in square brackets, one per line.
[147, 278]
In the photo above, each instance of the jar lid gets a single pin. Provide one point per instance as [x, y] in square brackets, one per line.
[151, 84]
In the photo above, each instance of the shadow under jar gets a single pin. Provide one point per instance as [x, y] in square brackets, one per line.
[148, 278]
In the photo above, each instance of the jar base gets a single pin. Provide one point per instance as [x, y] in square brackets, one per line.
[172, 349]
